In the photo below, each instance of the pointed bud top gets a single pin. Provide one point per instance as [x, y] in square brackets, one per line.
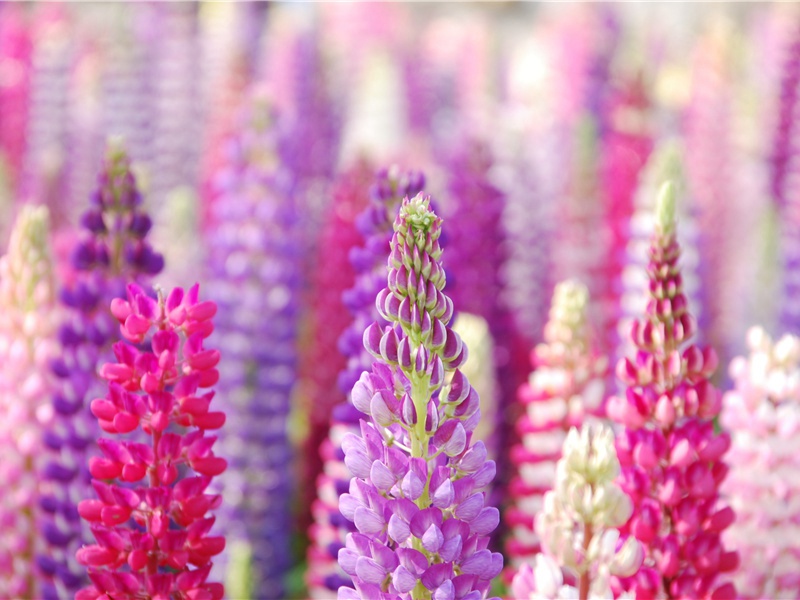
[417, 213]
[665, 209]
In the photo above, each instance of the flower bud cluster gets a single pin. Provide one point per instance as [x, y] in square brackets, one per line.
[580, 515]
[152, 524]
[416, 496]
[567, 383]
[28, 324]
[254, 265]
[671, 457]
[330, 528]
[114, 252]
[763, 414]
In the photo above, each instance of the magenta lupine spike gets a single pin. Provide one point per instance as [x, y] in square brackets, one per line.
[113, 251]
[566, 385]
[416, 496]
[330, 528]
[15, 53]
[27, 344]
[671, 456]
[762, 413]
[624, 150]
[150, 518]
[664, 163]
[334, 275]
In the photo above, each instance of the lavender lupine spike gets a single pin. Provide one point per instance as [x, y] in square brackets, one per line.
[330, 529]
[113, 252]
[671, 456]
[566, 385]
[253, 260]
[27, 344]
[579, 521]
[763, 414]
[415, 498]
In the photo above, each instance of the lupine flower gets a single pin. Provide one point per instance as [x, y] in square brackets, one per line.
[671, 456]
[565, 386]
[254, 265]
[580, 516]
[152, 525]
[330, 528]
[578, 523]
[664, 163]
[322, 363]
[763, 414]
[784, 187]
[474, 263]
[113, 252]
[415, 497]
[27, 344]
[623, 152]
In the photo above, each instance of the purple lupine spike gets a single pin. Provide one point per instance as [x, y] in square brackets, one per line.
[474, 265]
[416, 496]
[671, 457]
[328, 532]
[27, 343]
[785, 159]
[43, 172]
[254, 263]
[112, 252]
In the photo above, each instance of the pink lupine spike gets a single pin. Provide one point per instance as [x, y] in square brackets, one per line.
[670, 455]
[155, 389]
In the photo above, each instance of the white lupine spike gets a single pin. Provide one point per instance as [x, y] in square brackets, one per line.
[586, 498]
[762, 413]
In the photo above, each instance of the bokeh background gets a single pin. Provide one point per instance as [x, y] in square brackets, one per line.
[543, 130]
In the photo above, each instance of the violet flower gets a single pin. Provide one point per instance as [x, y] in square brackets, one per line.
[566, 385]
[152, 526]
[671, 457]
[329, 530]
[113, 251]
[254, 263]
[27, 344]
[763, 414]
[415, 498]
[785, 190]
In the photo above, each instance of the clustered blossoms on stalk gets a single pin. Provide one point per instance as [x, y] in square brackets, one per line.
[670, 455]
[330, 528]
[28, 321]
[152, 525]
[578, 524]
[763, 414]
[415, 497]
[254, 262]
[565, 386]
[113, 252]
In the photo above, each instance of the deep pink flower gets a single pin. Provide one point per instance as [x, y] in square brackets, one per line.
[161, 391]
